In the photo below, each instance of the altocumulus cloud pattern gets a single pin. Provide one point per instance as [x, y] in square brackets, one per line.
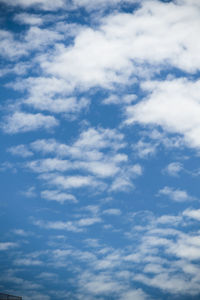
[100, 146]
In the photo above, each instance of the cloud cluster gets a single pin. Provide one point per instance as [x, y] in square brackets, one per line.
[50, 5]
[93, 160]
[123, 47]
[164, 256]
[138, 58]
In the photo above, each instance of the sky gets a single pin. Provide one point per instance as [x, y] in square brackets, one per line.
[100, 147]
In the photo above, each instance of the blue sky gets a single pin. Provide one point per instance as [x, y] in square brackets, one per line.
[100, 146]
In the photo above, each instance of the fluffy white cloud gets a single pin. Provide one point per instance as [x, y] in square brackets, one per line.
[172, 104]
[49, 93]
[192, 213]
[100, 138]
[23, 122]
[130, 43]
[13, 46]
[9, 47]
[187, 247]
[113, 52]
[50, 146]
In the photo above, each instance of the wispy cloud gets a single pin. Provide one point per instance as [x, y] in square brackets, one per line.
[56, 195]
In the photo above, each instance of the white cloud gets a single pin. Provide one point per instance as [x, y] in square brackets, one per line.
[100, 169]
[125, 38]
[7, 245]
[27, 262]
[153, 139]
[49, 146]
[176, 194]
[91, 141]
[58, 105]
[48, 276]
[136, 170]
[49, 165]
[9, 47]
[100, 138]
[164, 254]
[166, 257]
[134, 294]
[13, 47]
[69, 182]
[112, 211]
[42, 4]
[167, 219]
[37, 38]
[124, 180]
[54, 195]
[122, 183]
[144, 149]
[88, 221]
[186, 247]
[93, 285]
[29, 193]
[58, 225]
[95, 5]
[173, 169]
[99, 284]
[172, 104]
[74, 226]
[50, 5]
[23, 122]
[30, 19]
[174, 285]
[7, 166]
[20, 150]
[192, 213]
[20, 232]
[102, 159]
[115, 99]
[49, 93]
